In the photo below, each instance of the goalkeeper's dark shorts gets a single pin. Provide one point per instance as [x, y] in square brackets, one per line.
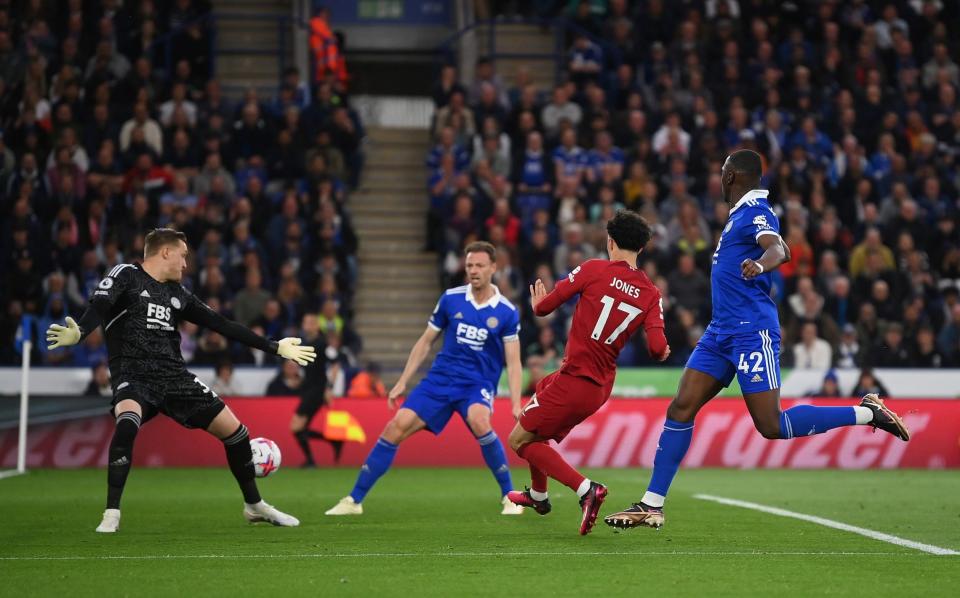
[182, 397]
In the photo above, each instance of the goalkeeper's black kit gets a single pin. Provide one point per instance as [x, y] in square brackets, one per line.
[140, 318]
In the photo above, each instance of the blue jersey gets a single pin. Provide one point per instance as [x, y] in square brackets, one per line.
[473, 338]
[741, 305]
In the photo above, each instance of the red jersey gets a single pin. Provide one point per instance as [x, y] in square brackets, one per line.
[615, 299]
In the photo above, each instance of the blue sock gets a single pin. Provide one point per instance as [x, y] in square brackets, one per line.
[807, 420]
[674, 442]
[377, 464]
[496, 459]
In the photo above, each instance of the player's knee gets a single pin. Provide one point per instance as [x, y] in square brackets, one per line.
[769, 429]
[516, 440]
[393, 432]
[679, 412]
[479, 425]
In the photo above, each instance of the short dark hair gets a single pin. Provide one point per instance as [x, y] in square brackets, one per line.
[747, 162]
[159, 237]
[629, 230]
[482, 247]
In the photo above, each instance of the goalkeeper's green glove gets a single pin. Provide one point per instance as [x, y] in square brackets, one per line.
[290, 348]
[63, 336]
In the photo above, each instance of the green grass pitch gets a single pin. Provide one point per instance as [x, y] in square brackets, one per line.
[438, 532]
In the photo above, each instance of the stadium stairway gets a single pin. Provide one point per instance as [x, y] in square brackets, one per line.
[248, 44]
[398, 284]
[534, 48]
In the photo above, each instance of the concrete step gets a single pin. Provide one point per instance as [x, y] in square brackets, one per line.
[385, 297]
[398, 257]
[243, 67]
[372, 209]
[385, 136]
[376, 282]
[393, 320]
[393, 250]
[398, 159]
[542, 70]
[405, 228]
[413, 268]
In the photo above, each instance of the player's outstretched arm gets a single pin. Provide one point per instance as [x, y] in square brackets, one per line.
[511, 352]
[418, 353]
[289, 348]
[775, 253]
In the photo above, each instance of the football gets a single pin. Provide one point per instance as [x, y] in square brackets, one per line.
[266, 456]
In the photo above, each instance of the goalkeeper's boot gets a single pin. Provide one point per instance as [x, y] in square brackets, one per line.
[110, 523]
[590, 503]
[637, 515]
[262, 512]
[884, 418]
[346, 506]
[523, 499]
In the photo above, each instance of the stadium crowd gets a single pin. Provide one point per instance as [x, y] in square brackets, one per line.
[853, 106]
[105, 135]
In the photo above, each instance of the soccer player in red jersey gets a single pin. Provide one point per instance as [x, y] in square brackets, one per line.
[615, 300]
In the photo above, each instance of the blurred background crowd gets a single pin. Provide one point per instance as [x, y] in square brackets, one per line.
[104, 137]
[853, 106]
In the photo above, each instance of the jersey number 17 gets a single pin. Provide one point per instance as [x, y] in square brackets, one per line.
[608, 301]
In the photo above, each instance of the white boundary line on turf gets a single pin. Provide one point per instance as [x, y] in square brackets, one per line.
[347, 555]
[10, 473]
[928, 548]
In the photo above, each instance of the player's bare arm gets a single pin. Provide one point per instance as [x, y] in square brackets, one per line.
[511, 350]
[775, 253]
[418, 353]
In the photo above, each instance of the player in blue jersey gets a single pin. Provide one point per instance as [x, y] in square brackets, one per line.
[480, 332]
[742, 340]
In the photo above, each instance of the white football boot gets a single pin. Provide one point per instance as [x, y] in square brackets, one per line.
[509, 508]
[264, 512]
[346, 506]
[110, 523]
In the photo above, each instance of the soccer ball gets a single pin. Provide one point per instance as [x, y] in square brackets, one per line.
[266, 456]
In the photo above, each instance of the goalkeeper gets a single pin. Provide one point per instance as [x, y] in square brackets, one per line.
[139, 307]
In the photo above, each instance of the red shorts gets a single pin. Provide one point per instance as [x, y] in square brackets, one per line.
[561, 402]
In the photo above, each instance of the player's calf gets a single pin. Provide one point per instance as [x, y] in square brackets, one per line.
[120, 457]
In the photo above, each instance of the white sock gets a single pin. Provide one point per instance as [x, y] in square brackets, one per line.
[584, 487]
[535, 495]
[864, 415]
[652, 499]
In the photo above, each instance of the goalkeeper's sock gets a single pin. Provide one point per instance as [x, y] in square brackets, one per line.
[807, 420]
[240, 458]
[545, 458]
[673, 445]
[496, 459]
[121, 456]
[377, 464]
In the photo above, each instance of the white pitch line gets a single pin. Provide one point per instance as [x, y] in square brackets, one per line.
[869, 533]
[348, 555]
[10, 473]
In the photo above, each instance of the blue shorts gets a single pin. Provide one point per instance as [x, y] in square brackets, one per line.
[434, 402]
[754, 357]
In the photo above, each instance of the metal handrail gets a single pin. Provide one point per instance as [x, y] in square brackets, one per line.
[559, 26]
[283, 23]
